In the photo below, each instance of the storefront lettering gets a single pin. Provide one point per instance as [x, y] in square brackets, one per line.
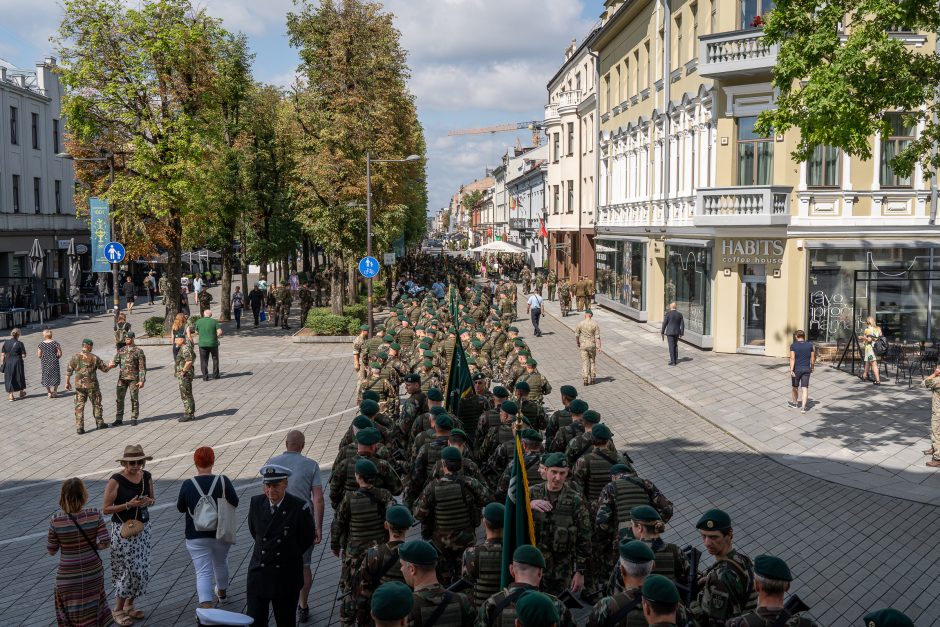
[752, 251]
[829, 313]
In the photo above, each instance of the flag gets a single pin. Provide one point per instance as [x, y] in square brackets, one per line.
[518, 527]
[459, 381]
[542, 232]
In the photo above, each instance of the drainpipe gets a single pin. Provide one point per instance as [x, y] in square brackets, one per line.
[667, 96]
[597, 152]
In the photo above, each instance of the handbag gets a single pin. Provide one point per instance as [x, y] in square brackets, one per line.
[132, 527]
[264, 315]
[225, 530]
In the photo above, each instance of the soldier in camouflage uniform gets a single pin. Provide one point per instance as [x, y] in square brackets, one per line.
[133, 374]
[526, 277]
[527, 569]
[183, 368]
[564, 297]
[932, 383]
[412, 407]
[472, 407]
[539, 387]
[358, 524]
[343, 477]
[591, 471]
[422, 421]
[576, 408]
[204, 298]
[431, 376]
[284, 300]
[647, 526]
[503, 435]
[482, 563]
[359, 352]
[306, 302]
[507, 309]
[388, 395]
[560, 418]
[726, 588]
[419, 567]
[532, 410]
[772, 580]
[531, 459]
[469, 468]
[588, 338]
[552, 282]
[562, 528]
[380, 564]
[449, 508]
[537, 283]
[427, 448]
[489, 419]
[584, 442]
[85, 366]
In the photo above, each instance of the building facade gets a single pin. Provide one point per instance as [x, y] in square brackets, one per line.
[36, 187]
[696, 208]
[571, 127]
[525, 193]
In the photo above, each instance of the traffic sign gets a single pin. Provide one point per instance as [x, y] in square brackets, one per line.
[388, 259]
[368, 267]
[114, 252]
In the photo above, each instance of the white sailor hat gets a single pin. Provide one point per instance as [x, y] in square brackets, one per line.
[212, 616]
[272, 473]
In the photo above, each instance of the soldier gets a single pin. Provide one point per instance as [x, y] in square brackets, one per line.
[406, 335]
[343, 477]
[284, 300]
[771, 581]
[357, 525]
[577, 408]
[380, 564]
[591, 470]
[371, 410]
[580, 445]
[579, 294]
[507, 309]
[183, 367]
[306, 302]
[561, 418]
[85, 365]
[388, 395]
[552, 283]
[428, 447]
[539, 386]
[526, 277]
[531, 459]
[359, 351]
[537, 282]
[204, 298]
[412, 407]
[391, 604]
[483, 563]
[496, 438]
[431, 600]
[489, 419]
[887, 617]
[588, 337]
[564, 297]
[422, 422]
[469, 468]
[133, 373]
[450, 508]
[526, 569]
[647, 526]
[624, 608]
[726, 588]
[431, 376]
[589, 292]
[348, 445]
[472, 407]
[932, 383]
[283, 529]
[562, 527]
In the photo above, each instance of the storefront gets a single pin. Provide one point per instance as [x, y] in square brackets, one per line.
[689, 286]
[621, 268]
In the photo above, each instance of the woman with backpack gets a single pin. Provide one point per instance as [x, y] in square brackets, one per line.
[871, 337]
[199, 500]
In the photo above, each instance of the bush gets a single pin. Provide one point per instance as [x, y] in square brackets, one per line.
[354, 324]
[328, 324]
[359, 311]
[154, 326]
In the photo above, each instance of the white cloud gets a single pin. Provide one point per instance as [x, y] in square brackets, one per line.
[512, 85]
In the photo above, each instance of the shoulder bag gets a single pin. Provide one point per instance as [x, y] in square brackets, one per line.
[225, 530]
[132, 527]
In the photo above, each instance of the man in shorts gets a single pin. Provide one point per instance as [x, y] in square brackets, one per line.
[305, 484]
[802, 363]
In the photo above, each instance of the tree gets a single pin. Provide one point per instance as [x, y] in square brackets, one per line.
[840, 68]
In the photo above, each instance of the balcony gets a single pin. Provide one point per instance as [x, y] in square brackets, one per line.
[551, 112]
[752, 205]
[736, 53]
[569, 100]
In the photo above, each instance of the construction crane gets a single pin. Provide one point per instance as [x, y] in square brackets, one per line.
[535, 126]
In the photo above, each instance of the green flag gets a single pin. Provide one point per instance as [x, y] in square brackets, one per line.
[518, 528]
[459, 382]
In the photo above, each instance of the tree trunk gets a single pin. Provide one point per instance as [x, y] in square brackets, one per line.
[352, 286]
[174, 270]
[336, 285]
[316, 257]
[263, 267]
[305, 253]
[226, 305]
[243, 256]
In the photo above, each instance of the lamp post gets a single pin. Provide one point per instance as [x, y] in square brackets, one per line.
[109, 157]
[369, 162]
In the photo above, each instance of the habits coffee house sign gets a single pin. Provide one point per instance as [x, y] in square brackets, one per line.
[751, 251]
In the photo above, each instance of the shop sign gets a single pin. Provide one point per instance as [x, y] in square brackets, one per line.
[752, 251]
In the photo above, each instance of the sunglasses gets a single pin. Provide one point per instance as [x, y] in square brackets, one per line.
[135, 463]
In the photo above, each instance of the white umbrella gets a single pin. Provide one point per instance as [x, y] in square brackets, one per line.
[498, 247]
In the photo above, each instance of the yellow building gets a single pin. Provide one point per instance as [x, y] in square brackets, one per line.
[694, 207]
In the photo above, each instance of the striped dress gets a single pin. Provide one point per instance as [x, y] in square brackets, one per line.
[80, 600]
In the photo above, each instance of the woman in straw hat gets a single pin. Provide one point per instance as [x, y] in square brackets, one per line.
[126, 498]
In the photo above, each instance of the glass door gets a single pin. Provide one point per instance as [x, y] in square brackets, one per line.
[753, 306]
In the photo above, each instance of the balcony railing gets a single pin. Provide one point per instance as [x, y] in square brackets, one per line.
[736, 53]
[752, 205]
[570, 98]
[551, 112]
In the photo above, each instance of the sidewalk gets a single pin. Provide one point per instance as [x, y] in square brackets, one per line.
[855, 434]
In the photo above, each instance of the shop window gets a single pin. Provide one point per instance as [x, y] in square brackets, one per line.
[619, 269]
[688, 284]
[824, 167]
[901, 136]
[754, 12]
[755, 154]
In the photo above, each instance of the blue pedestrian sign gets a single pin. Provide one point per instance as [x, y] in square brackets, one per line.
[368, 267]
[114, 252]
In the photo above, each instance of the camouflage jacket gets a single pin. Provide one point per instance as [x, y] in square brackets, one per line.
[487, 617]
[609, 519]
[185, 354]
[726, 589]
[85, 367]
[339, 531]
[563, 534]
[132, 362]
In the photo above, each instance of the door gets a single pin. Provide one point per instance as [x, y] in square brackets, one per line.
[753, 306]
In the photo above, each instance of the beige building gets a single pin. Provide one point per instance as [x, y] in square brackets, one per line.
[695, 208]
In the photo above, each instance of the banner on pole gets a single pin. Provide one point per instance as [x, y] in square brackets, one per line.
[100, 234]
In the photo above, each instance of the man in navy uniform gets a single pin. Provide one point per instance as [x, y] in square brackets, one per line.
[282, 527]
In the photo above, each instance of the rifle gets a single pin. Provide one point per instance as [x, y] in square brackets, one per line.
[460, 585]
[690, 589]
[570, 601]
[795, 605]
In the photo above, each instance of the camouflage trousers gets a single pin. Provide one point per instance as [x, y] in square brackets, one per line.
[935, 434]
[557, 578]
[551, 292]
[122, 386]
[588, 363]
[186, 395]
[451, 546]
[86, 394]
[303, 314]
[351, 604]
[283, 312]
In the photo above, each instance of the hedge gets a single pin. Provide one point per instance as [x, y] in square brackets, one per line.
[329, 324]
[154, 326]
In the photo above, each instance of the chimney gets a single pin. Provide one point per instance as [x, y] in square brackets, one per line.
[50, 61]
[3, 73]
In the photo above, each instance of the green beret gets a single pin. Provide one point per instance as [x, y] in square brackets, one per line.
[619, 469]
[88, 341]
[555, 460]
[418, 552]
[393, 332]
[471, 361]
[459, 433]
[130, 334]
[383, 356]
[509, 407]
[427, 353]
[494, 513]
[365, 468]
[451, 454]
[518, 341]
[369, 436]
[513, 329]
[524, 353]
[569, 391]
[444, 421]
[601, 432]
[437, 410]
[644, 513]
[772, 567]
[369, 407]
[500, 392]
[479, 376]
[434, 394]
[530, 435]
[714, 520]
[887, 617]
[362, 422]
[375, 365]
[531, 362]
[427, 363]
[659, 589]
[363, 327]
[528, 554]
[371, 395]
[578, 406]
[534, 609]
[462, 331]
[388, 339]
[588, 311]
[413, 377]
[591, 416]
[522, 386]
[476, 344]
[399, 517]
[395, 346]
[636, 551]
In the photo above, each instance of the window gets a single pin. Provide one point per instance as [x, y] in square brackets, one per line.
[16, 193]
[35, 129]
[570, 138]
[679, 50]
[823, 167]
[636, 73]
[693, 51]
[14, 136]
[755, 154]
[902, 134]
[607, 105]
[556, 146]
[58, 196]
[555, 199]
[55, 136]
[646, 71]
[37, 191]
[754, 11]
[570, 196]
[617, 94]
[577, 81]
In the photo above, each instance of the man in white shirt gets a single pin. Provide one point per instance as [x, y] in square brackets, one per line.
[534, 307]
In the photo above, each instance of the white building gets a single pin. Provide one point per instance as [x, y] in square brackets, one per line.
[525, 194]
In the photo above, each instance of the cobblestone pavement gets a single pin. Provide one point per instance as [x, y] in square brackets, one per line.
[851, 550]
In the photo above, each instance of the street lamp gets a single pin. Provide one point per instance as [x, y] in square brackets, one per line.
[369, 162]
[109, 157]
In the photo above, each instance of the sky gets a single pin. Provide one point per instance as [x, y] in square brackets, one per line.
[473, 63]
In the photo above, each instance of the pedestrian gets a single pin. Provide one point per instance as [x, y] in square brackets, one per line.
[238, 302]
[49, 353]
[673, 328]
[282, 529]
[151, 284]
[270, 301]
[203, 299]
[306, 302]
[132, 374]
[587, 335]
[130, 293]
[121, 327]
[534, 307]
[79, 533]
[294, 281]
[802, 364]
[127, 497]
[197, 284]
[256, 302]
[284, 300]
[209, 554]
[85, 366]
[179, 326]
[184, 300]
[307, 485]
[870, 336]
[184, 365]
[932, 383]
[207, 328]
[12, 365]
